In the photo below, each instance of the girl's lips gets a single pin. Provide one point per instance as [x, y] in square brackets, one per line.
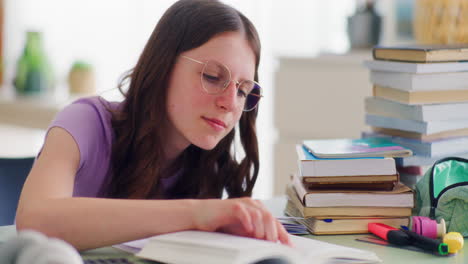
[215, 123]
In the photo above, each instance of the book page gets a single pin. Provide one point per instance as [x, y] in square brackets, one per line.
[323, 252]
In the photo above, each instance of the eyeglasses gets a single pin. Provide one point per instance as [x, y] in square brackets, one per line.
[216, 77]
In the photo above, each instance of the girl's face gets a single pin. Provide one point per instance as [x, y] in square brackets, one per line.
[195, 116]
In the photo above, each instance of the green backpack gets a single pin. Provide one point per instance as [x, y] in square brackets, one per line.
[443, 193]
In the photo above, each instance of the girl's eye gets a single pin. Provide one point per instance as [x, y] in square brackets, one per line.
[241, 93]
[211, 78]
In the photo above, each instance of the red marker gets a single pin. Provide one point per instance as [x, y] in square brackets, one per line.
[390, 234]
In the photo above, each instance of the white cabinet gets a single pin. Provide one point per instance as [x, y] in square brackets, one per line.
[319, 97]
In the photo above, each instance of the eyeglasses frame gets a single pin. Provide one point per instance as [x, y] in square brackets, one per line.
[237, 83]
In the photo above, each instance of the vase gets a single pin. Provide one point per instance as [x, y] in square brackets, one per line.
[33, 74]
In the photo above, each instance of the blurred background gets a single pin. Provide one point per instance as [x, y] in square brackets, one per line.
[311, 68]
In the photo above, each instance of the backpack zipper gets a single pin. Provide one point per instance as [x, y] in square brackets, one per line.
[435, 201]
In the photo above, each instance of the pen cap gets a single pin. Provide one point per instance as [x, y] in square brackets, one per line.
[427, 227]
[454, 240]
[380, 229]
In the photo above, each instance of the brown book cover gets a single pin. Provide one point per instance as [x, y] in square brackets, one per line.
[422, 53]
[342, 225]
[370, 186]
[361, 182]
[400, 196]
[344, 211]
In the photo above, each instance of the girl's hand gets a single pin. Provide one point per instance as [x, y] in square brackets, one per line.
[240, 216]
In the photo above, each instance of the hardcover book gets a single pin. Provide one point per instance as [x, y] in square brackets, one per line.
[342, 225]
[400, 196]
[311, 166]
[410, 67]
[422, 53]
[425, 112]
[421, 82]
[333, 211]
[355, 148]
[421, 127]
[420, 97]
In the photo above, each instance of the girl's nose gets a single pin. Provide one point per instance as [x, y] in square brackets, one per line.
[228, 100]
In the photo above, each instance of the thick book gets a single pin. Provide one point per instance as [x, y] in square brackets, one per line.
[422, 127]
[421, 53]
[426, 112]
[436, 148]
[187, 247]
[400, 196]
[410, 67]
[355, 148]
[342, 225]
[463, 132]
[420, 97]
[311, 166]
[421, 82]
[333, 211]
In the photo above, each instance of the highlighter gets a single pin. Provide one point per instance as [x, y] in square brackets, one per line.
[406, 238]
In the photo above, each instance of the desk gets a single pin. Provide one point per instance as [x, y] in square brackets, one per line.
[387, 254]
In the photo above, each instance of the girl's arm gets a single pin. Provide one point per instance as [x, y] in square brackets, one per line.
[46, 204]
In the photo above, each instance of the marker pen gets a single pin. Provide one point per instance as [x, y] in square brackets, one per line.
[405, 238]
[426, 243]
[390, 234]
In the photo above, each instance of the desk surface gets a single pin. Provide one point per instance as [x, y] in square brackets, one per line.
[276, 205]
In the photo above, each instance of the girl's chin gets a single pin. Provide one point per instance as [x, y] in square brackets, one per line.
[206, 144]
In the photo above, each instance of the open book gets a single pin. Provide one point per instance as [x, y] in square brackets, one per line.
[190, 247]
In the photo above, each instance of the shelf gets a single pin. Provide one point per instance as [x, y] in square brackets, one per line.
[31, 111]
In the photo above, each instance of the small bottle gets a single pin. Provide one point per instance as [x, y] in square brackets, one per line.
[34, 74]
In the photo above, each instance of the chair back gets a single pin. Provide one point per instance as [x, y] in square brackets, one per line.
[13, 173]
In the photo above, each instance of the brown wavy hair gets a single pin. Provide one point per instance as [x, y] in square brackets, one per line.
[140, 123]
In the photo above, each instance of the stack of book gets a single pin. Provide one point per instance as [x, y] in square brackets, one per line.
[420, 100]
[339, 192]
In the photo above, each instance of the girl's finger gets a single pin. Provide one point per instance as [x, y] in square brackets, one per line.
[243, 215]
[271, 229]
[283, 235]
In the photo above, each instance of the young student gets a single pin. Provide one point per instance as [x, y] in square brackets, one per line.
[159, 161]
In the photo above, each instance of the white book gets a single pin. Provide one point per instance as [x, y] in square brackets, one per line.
[400, 196]
[313, 166]
[410, 67]
[422, 127]
[195, 247]
[425, 112]
[421, 82]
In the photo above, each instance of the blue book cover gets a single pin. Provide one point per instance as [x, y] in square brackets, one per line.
[310, 156]
[355, 148]
[310, 165]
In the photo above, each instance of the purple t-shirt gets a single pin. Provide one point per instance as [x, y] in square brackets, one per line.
[88, 121]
